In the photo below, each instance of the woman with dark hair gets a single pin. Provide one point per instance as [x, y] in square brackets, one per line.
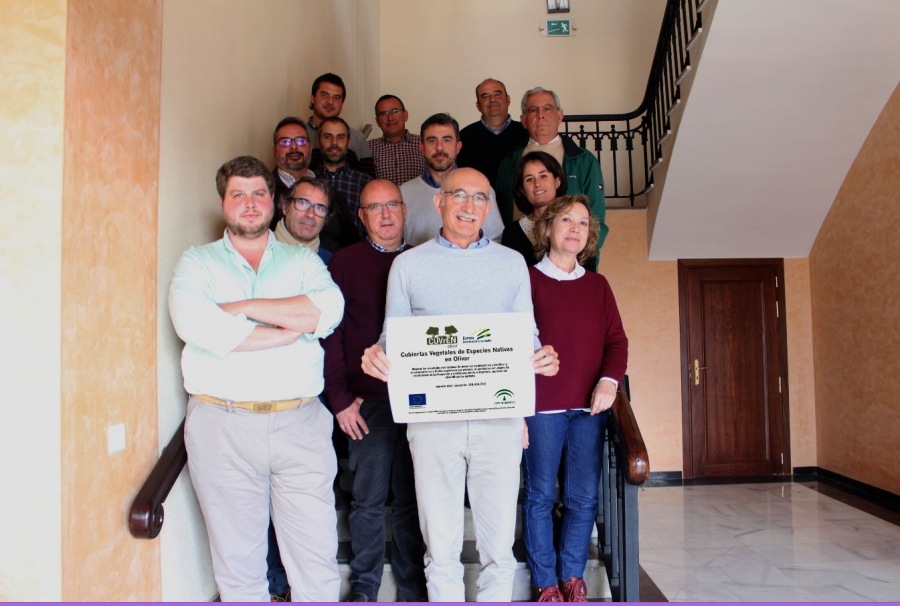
[538, 180]
[575, 311]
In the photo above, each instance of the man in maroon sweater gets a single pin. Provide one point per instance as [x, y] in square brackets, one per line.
[379, 450]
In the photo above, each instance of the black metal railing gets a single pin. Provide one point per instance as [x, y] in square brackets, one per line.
[628, 145]
[624, 467]
[145, 519]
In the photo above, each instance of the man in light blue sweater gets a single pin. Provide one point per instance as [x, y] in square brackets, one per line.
[459, 272]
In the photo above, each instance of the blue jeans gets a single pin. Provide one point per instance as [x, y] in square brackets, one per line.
[381, 463]
[575, 437]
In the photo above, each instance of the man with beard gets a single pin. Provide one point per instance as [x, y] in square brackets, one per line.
[326, 101]
[292, 149]
[487, 141]
[347, 183]
[251, 311]
[440, 145]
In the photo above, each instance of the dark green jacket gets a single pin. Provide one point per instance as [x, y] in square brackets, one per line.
[584, 175]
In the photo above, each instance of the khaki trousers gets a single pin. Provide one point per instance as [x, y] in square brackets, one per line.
[244, 465]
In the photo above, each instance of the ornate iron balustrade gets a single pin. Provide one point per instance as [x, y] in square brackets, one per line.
[629, 146]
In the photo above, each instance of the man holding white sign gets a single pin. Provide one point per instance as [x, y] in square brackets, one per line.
[462, 272]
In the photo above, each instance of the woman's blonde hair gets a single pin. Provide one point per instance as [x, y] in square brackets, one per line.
[559, 207]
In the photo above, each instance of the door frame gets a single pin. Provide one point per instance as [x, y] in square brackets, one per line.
[686, 440]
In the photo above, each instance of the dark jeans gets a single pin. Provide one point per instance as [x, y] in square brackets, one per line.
[381, 463]
[577, 437]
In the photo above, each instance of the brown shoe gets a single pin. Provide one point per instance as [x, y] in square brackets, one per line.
[549, 594]
[574, 590]
[284, 597]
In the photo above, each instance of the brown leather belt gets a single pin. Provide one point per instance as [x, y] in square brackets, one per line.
[263, 407]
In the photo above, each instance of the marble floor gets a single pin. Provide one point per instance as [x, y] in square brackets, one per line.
[765, 542]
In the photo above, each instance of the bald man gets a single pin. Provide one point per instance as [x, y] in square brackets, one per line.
[460, 271]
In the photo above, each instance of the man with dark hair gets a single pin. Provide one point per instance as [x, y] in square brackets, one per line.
[292, 149]
[486, 142]
[439, 144]
[307, 208]
[326, 101]
[397, 154]
[347, 183]
[379, 450]
[251, 311]
[542, 114]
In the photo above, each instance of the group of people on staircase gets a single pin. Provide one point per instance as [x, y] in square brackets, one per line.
[287, 355]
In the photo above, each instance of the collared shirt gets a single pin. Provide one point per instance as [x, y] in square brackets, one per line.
[350, 183]
[427, 178]
[502, 128]
[481, 242]
[288, 179]
[381, 248]
[398, 161]
[546, 267]
[217, 273]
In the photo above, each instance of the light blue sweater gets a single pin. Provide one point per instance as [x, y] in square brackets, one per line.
[433, 280]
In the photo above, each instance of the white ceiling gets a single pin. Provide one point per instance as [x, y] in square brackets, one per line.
[783, 99]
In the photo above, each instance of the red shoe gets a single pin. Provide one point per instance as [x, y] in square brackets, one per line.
[549, 594]
[574, 590]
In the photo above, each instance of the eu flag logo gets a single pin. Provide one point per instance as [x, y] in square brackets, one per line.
[416, 399]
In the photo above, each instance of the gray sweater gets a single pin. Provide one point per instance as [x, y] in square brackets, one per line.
[423, 222]
[431, 280]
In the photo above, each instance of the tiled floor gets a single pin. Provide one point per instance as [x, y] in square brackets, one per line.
[765, 542]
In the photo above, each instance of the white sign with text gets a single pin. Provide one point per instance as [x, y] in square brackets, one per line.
[461, 367]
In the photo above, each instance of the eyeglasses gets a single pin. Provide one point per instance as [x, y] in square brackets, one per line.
[378, 207]
[298, 141]
[388, 112]
[303, 205]
[460, 197]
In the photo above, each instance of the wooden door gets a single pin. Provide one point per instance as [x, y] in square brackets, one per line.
[734, 387]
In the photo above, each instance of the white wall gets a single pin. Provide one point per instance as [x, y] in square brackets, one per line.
[231, 70]
[433, 55]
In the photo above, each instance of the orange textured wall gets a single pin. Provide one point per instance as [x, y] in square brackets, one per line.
[801, 371]
[109, 247]
[855, 283]
[647, 295]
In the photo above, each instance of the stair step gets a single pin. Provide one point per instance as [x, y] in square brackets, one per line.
[594, 574]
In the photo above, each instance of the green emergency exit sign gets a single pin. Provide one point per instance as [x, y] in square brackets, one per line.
[559, 27]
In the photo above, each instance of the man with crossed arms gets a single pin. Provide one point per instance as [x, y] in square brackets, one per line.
[462, 272]
[251, 311]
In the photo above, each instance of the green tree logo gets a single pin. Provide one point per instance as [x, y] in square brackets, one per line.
[433, 331]
[450, 330]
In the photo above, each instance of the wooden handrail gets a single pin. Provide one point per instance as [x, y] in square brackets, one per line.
[634, 449]
[146, 516]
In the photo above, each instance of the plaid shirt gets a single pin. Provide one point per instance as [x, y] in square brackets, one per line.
[348, 183]
[398, 162]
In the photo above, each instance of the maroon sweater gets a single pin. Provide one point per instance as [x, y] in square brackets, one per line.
[361, 272]
[580, 319]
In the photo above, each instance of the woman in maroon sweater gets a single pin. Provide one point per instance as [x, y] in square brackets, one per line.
[576, 312]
